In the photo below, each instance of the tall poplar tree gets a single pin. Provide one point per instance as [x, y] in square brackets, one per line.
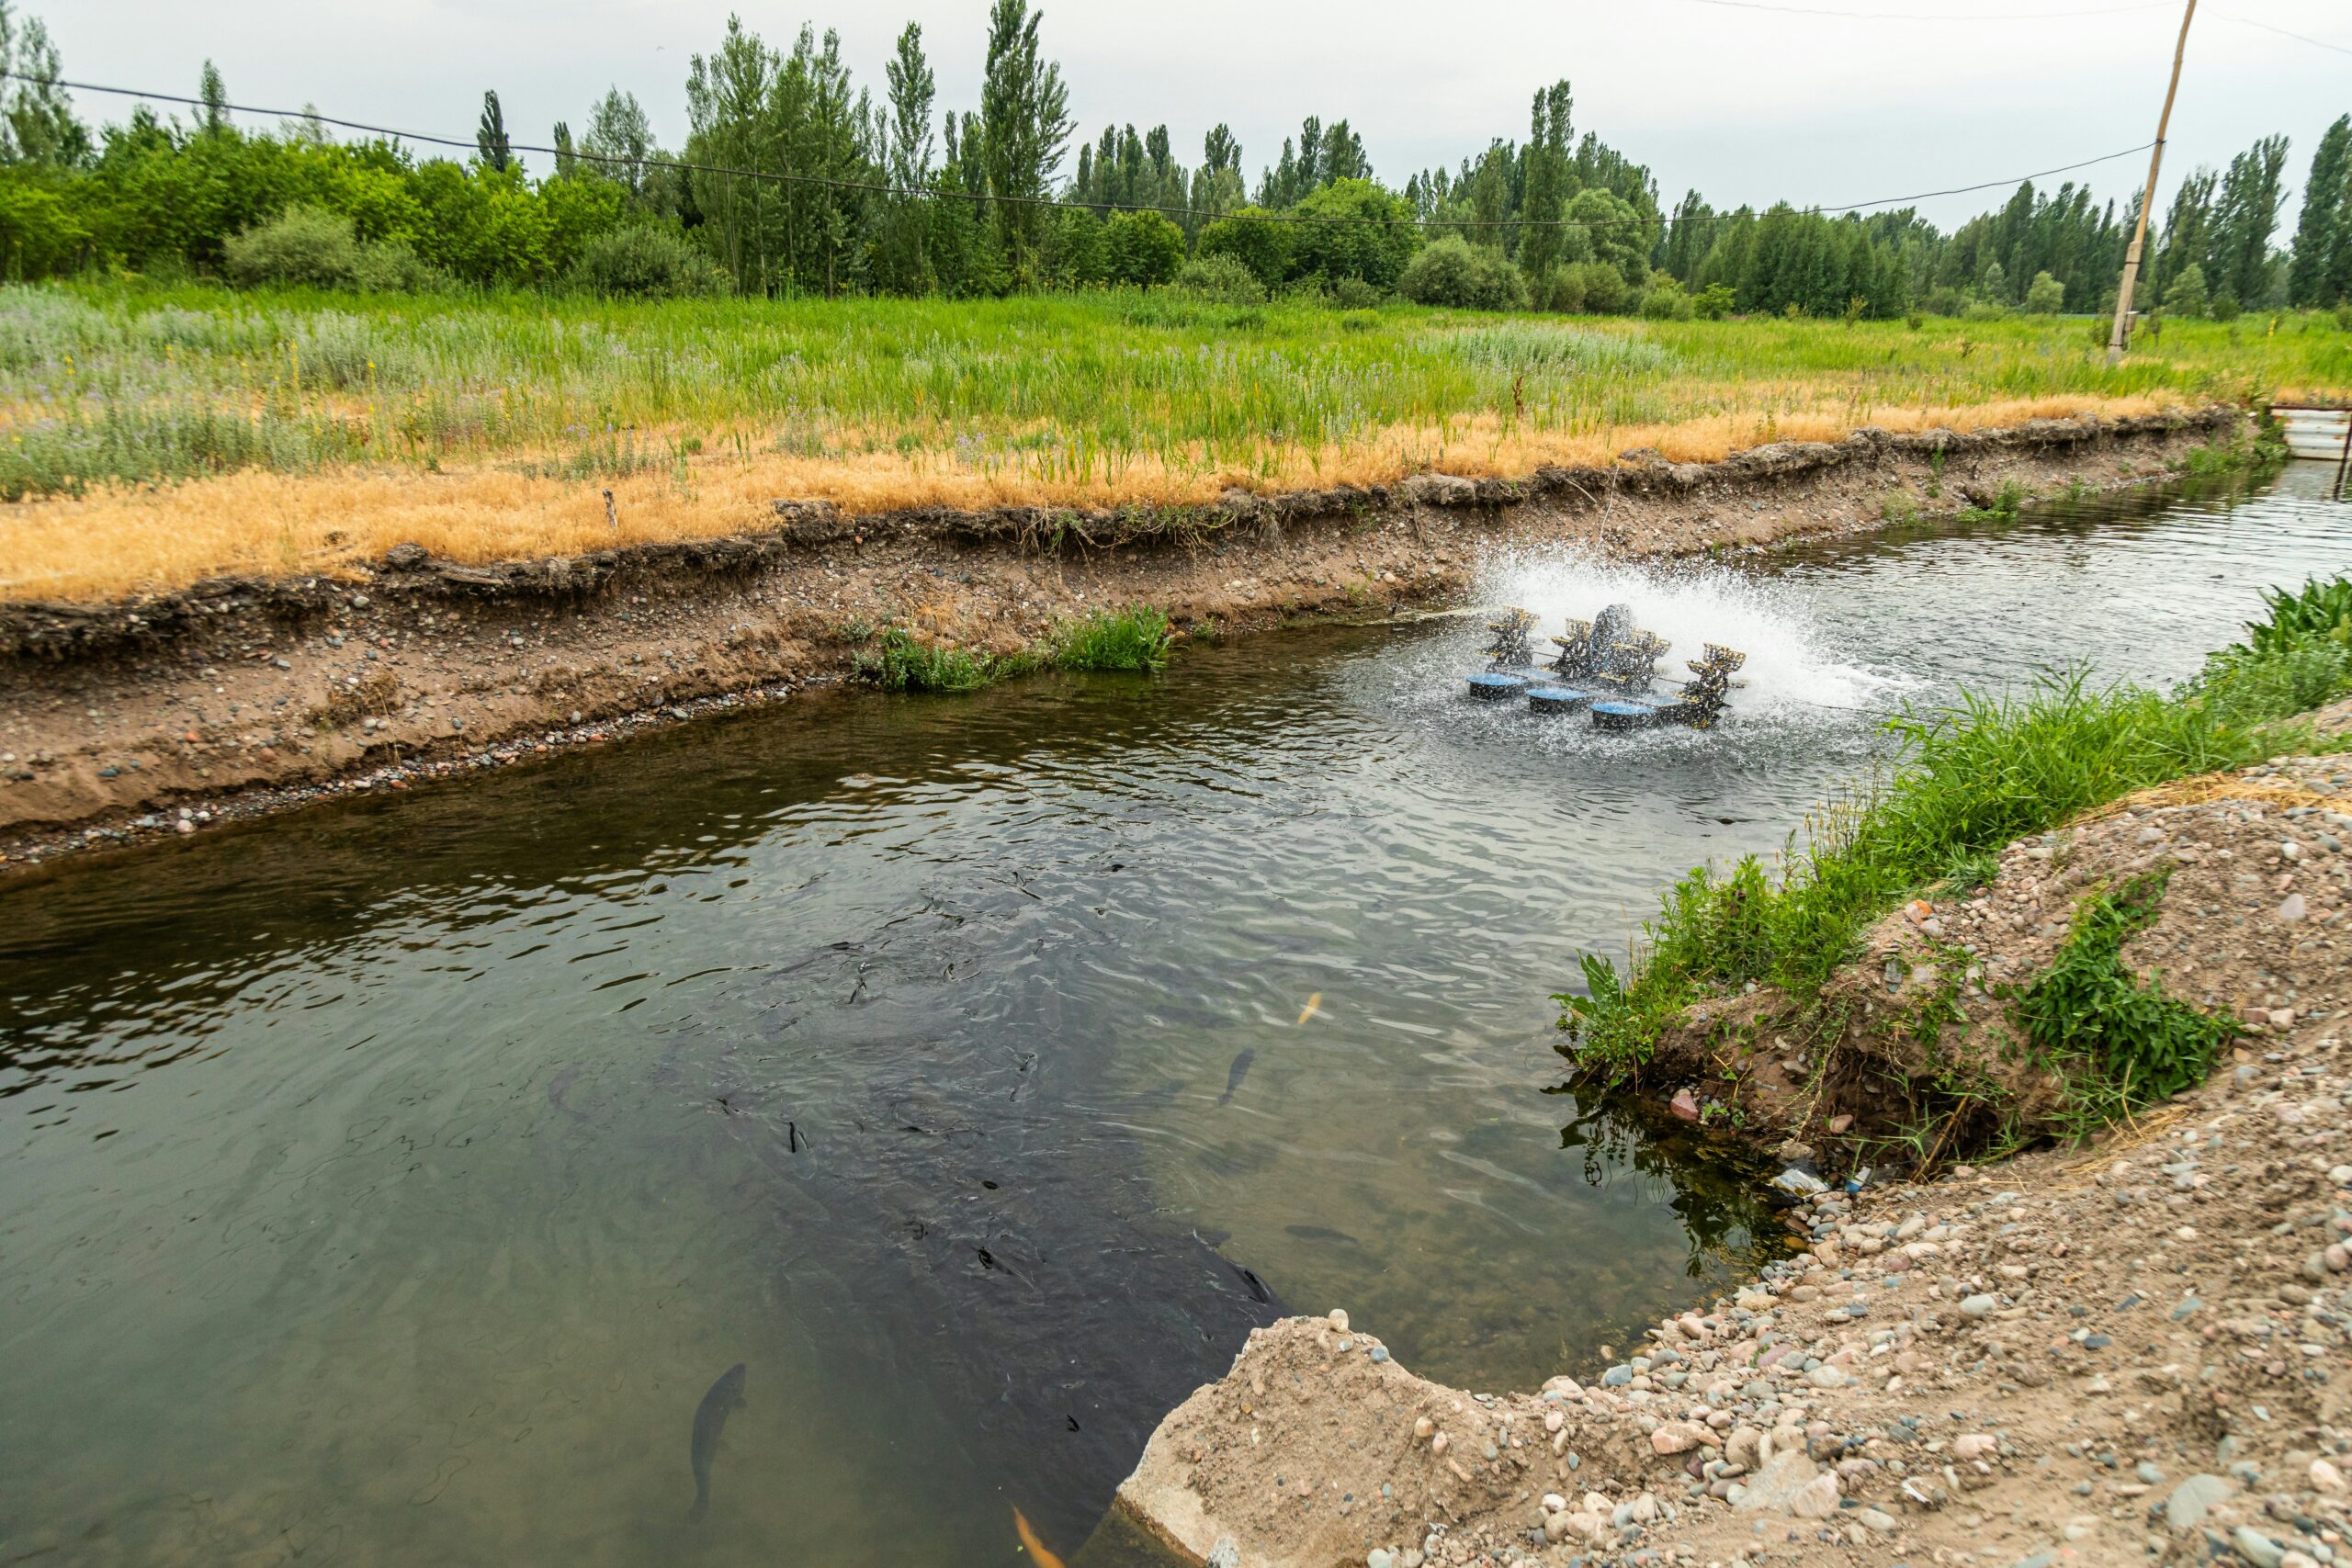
[490, 136]
[1024, 124]
[2326, 224]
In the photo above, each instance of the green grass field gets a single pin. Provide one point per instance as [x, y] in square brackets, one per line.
[153, 435]
[132, 384]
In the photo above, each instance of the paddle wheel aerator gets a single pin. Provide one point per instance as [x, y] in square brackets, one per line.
[1607, 666]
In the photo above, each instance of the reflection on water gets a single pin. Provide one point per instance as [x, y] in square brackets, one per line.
[389, 1184]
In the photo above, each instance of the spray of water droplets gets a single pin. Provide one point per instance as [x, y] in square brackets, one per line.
[1796, 688]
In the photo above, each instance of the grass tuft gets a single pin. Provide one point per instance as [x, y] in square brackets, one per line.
[1136, 638]
[2121, 1045]
[905, 662]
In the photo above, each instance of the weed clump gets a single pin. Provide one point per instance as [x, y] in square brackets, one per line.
[904, 662]
[2120, 1045]
[1136, 638]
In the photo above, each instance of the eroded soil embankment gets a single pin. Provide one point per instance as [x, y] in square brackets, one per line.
[238, 696]
[2135, 1351]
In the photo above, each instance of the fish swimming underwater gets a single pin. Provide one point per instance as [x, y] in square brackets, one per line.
[710, 1420]
[1038, 1551]
[1233, 1075]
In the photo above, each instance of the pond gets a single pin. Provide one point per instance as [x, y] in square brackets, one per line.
[388, 1183]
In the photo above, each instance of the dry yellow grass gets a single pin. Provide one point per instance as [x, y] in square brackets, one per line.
[2208, 787]
[116, 543]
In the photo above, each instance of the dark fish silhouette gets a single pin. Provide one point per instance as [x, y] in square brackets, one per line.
[710, 1420]
[1233, 1075]
[559, 1091]
[1320, 1233]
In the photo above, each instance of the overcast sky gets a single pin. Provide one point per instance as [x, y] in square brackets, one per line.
[1747, 106]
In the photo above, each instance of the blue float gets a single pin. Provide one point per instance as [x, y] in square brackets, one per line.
[1495, 686]
[1556, 699]
[1623, 716]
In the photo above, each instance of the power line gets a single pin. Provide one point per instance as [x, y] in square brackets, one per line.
[2299, 38]
[880, 188]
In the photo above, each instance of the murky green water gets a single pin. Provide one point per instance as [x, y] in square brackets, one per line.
[387, 1184]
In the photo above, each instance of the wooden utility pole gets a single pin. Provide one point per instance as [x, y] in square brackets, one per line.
[2121, 338]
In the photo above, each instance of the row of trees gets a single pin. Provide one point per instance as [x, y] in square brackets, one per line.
[793, 179]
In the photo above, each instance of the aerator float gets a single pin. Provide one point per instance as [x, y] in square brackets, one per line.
[1607, 666]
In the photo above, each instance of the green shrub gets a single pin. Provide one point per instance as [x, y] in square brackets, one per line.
[2045, 295]
[1451, 271]
[1562, 290]
[1374, 239]
[302, 246]
[1263, 248]
[1666, 302]
[1715, 303]
[1141, 248]
[1354, 294]
[1134, 638]
[1603, 287]
[645, 262]
[394, 268]
[40, 230]
[1221, 277]
[2186, 297]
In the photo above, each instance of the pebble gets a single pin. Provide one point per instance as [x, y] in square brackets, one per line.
[2194, 1498]
[2257, 1547]
[2325, 1477]
[1979, 1305]
[1340, 1319]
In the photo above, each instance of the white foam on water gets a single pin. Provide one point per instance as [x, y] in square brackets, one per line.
[1790, 662]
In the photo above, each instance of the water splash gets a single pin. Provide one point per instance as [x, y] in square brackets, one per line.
[1791, 661]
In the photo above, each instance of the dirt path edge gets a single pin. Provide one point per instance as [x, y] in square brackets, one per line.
[168, 714]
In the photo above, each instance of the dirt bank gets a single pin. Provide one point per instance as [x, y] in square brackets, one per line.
[238, 696]
[2138, 1349]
